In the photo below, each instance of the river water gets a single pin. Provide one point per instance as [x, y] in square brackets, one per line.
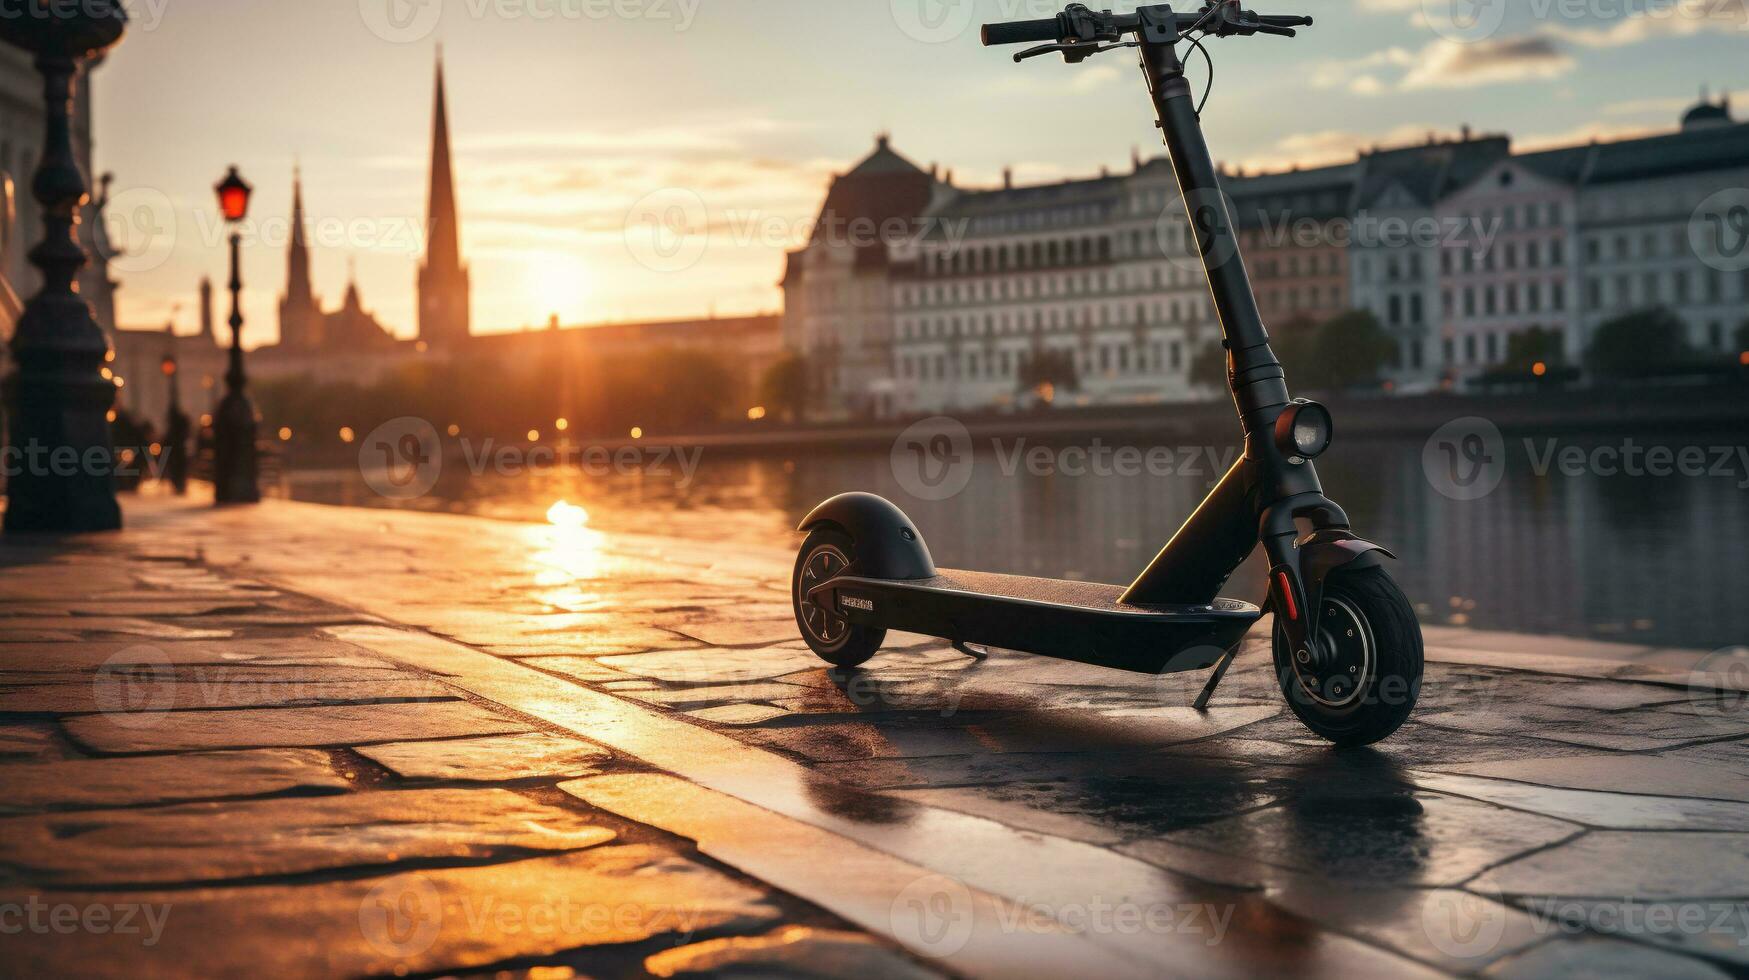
[1587, 537]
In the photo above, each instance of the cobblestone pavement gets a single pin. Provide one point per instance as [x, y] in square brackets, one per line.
[309, 740]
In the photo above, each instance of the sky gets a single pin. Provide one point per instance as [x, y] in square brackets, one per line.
[579, 122]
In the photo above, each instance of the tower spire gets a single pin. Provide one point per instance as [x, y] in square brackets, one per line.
[297, 308]
[443, 279]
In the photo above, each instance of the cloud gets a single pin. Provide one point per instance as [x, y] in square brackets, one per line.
[1449, 64]
[1683, 18]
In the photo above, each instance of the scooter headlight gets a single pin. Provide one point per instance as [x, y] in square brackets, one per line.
[1304, 430]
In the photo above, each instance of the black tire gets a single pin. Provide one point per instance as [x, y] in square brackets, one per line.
[835, 640]
[1367, 677]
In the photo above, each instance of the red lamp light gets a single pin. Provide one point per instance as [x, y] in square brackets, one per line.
[233, 194]
[168, 366]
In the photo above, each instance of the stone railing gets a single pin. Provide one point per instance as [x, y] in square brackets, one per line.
[10, 307]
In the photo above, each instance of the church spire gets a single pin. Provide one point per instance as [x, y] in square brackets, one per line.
[297, 277]
[297, 307]
[443, 279]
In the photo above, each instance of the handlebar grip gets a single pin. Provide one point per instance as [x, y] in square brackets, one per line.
[1277, 21]
[1020, 32]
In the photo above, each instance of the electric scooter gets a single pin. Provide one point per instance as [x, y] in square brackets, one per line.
[1347, 646]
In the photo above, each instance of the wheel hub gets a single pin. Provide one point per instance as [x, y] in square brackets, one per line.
[1337, 673]
[824, 625]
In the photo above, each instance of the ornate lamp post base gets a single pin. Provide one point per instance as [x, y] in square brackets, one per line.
[61, 468]
[234, 464]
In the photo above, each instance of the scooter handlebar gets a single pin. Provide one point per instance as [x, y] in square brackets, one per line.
[1021, 32]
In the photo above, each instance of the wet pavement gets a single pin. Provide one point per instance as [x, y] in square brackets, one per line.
[317, 740]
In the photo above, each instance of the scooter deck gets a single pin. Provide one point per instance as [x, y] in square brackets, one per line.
[1080, 621]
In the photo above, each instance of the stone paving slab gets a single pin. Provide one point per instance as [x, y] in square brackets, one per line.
[172, 731]
[500, 758]
[858, 807]
[86, 783]
[199, 842]
[416, 922]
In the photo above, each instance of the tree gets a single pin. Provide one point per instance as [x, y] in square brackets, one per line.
[1528, 348]
[1346, 351]
[784, 389]
[1638, 344]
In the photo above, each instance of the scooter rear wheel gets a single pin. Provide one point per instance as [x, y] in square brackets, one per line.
[827, 553]
[1366, 676]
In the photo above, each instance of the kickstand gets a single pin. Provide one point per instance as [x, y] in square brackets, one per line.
[1208, 691]
[971, 651]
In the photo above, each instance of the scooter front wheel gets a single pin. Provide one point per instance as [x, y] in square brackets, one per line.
[1363, 681]
[827, 553]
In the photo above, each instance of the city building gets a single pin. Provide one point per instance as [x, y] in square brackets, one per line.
[1637, 210]
[350, 346]
[1088, 292]
[21, 135]
[839, 308]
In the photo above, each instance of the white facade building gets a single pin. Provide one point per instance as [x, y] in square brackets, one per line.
[1087, 292]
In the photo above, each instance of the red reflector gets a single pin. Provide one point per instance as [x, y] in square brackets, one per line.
[1286, 588]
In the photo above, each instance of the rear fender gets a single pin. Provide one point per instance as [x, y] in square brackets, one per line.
[888, 545]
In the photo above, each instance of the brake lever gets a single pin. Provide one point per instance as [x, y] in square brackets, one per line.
[1073, 52]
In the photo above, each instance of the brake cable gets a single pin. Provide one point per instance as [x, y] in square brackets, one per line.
[1209, 88]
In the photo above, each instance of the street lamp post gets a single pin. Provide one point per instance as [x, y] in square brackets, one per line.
[62, 473]
[235, 468]
[175, 431]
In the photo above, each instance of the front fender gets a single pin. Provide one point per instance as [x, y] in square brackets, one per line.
[888, 545]
[1323, 552]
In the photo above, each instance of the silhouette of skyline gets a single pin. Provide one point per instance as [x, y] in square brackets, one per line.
[561, 125]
